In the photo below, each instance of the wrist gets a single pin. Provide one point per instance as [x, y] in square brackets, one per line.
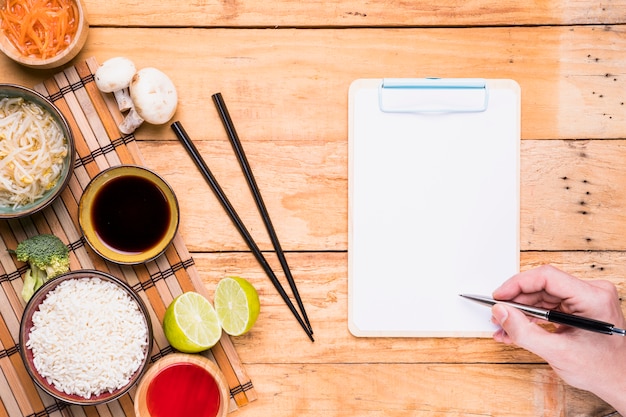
[612, 387]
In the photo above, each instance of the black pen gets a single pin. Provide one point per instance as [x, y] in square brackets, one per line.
[553, 316]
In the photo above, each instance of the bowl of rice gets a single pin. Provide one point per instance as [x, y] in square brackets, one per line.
[37, 151]
[85, 337]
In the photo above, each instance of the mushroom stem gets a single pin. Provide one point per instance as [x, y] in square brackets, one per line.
[131, 122]
[124, 102]
[114, 76]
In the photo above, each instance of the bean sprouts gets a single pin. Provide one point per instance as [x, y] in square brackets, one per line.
[32, 150]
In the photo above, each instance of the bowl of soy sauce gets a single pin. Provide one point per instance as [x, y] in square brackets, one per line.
[128, 214]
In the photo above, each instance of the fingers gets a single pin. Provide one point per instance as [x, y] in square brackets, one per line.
[602, 302]
[568, 350]
[518, 329]
[545, 286]
[551, 288]
[536, 280]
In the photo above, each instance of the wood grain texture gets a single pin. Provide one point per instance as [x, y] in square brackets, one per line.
[423, 390]
[247, 13]
[291, 84]
[284, 69]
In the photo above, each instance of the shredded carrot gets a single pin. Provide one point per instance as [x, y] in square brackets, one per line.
[39, 28]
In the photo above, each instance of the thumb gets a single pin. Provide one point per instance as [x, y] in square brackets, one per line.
[520, 330]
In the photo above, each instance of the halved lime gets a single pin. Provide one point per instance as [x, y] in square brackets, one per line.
[191, 324]
[237, 305]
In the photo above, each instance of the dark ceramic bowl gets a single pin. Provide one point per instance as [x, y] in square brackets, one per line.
[27, 353]
[9, 212]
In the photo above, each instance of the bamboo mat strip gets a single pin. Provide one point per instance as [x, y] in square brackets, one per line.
[93, 118]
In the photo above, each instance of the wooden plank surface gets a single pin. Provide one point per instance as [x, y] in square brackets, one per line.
[376, 389]
[284, 69]
[316, 13]
[291, 84]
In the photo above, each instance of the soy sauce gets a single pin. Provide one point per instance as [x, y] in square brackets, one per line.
[130, 214]
[183, 390]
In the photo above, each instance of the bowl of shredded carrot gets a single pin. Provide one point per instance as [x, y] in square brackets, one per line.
[42, 34]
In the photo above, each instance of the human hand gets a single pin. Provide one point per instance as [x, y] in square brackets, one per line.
[591, 361]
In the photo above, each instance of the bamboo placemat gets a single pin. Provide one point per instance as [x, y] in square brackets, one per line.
[93, 118]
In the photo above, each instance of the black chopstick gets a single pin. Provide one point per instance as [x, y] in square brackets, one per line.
[208, 176]
[245, 167]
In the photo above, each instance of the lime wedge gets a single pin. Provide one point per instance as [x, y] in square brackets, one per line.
[191, 324]
[237, 305]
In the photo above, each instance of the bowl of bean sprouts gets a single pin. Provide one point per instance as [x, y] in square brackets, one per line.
[37, 151]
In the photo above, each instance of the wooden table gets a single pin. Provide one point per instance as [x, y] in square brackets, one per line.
[284, 68]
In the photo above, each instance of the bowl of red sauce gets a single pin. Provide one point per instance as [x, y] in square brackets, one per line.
[182, 385]
[42, 34]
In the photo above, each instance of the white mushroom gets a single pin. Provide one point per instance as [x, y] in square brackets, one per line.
[154, 98]
[114, 76]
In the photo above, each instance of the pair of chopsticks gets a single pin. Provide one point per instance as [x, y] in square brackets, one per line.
[243, 162]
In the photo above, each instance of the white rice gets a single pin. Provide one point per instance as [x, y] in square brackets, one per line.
[88, 337]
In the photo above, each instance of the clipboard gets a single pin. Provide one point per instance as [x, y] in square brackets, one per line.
[433, 205]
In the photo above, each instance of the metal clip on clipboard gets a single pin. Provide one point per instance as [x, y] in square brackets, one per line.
[433, 95]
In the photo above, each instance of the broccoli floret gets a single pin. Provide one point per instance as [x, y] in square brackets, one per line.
[47, 257]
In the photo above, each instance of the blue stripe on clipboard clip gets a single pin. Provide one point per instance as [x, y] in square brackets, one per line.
[434, 95]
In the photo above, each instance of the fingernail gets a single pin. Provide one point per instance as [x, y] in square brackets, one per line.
[496, 291]
[498, 336]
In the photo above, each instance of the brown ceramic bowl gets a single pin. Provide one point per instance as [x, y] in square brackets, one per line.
[58, 60]
[128, 214]
[10, 212]
[26, 326]
[182, 384]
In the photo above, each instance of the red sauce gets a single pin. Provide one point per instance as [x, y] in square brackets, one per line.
[183, 390]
